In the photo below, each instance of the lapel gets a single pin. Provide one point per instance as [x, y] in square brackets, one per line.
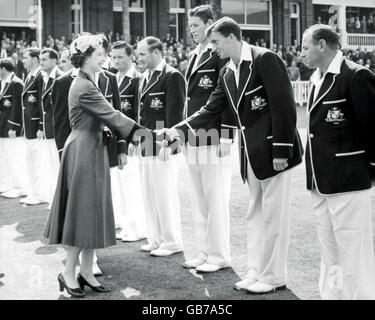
[30, 83]
[245, 75]
[48, 87]
[190, 66]
[6, 87]
[154, 79]
[103, 83]
[126, 82]
[324, 89]
[230, 85]
[204, 58]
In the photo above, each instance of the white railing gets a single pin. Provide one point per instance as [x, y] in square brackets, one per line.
[301, 91]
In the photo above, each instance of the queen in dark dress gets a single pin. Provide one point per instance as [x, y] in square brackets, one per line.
[81, 216]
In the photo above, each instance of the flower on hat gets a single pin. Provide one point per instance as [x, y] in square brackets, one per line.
[82, 43]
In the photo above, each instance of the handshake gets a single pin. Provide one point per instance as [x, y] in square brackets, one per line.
[173, 137]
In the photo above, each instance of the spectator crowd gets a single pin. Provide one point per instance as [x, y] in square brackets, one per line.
[176, 53]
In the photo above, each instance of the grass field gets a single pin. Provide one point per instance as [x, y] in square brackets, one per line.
[31, 267]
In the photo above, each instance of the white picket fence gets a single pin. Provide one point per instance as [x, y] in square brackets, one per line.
[301, 92]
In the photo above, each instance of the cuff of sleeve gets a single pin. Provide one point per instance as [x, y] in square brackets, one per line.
[121, 146]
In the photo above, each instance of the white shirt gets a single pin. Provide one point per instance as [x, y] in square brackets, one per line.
[246, 55]
[75, 72]
[4, 82]
[334, 67]
[36, 71]
[158, 68]
[199, 51]
[52, 75]
[129, 74]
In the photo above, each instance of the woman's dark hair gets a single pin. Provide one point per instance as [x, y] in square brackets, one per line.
[78, 57]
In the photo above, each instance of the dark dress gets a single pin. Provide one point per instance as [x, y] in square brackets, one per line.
[81, 214]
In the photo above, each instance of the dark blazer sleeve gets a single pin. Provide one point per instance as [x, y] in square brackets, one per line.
[15, 119]
[60, 113]
[282, 107]
[363, 96]
[215, 105]
[175, 99]
[94, 103]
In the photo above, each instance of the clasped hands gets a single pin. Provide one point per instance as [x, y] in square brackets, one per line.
[172, 134]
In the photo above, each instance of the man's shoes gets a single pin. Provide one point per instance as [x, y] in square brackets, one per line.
[243, 284]
[207, 267]
[96, 270]
[4, 189]
[31, 202]
[149, 247]
[262, 288]
[193, 263]
[164, 252]
[132, 238]
[120, 235]
[11, 194]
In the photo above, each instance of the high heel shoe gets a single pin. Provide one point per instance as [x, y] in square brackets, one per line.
[77, 292]
[83, 282]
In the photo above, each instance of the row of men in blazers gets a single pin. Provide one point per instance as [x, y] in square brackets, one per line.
[254, 96]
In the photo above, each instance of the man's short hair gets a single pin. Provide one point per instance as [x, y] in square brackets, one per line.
[153, 44]
[324, 32]
[33, 52]
[7, 64]
[204, 12]
[52, 53]
[123, 45]
[225, 26]
[68, 52]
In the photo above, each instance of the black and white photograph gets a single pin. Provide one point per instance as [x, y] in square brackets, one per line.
[197, 152]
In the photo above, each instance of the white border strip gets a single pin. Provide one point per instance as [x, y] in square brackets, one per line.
[250, 92]
[349, 153]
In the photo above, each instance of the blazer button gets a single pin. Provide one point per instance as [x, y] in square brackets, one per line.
[311, 135]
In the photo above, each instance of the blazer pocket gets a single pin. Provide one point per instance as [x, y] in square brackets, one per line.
[156, 94]
[334, 101]
[254, 90]
[32, 91]
[348, 154]
[206, 70]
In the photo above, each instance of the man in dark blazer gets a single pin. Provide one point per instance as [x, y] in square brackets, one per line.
[60, 94]
[162, 99]
[32, 118]
[130, 214]
[256, 88]
[340, 164]
[209, 160]
[48, 62]
[10, 131]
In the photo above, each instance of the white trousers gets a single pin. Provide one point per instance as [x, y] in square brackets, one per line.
[37, 186]
[51, 165]
[211, 182]
[16, 165]
[345, 235]
[161, 201]
[4, 167]
[268, 227]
